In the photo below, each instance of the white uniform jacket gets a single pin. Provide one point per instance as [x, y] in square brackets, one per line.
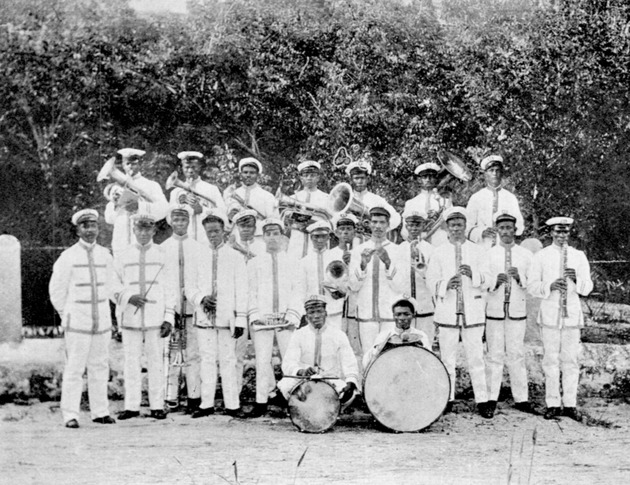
[441, 269]
[122, 235]
[82, 282]
[272, 289]
[376, 287]
[414, 279]
[382, 339]
[545, 270]
[494, 264]
[313, 275]
[222, 272]
[144, 270]
[370, 200]
[182, 263]
[257, 198]
[337, 358]
[480, 214]
[195, 229]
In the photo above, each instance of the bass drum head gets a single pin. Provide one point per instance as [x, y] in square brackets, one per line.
[406, 388]
[314, 406]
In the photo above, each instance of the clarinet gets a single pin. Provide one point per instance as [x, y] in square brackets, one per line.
[508, 284]
[564, 294]
[460, 292]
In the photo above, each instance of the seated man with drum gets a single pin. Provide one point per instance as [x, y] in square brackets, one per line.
[319, 351]
[404, 309]
[406, 387]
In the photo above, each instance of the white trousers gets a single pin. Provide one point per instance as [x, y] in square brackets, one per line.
[368, 331]
[561, 349]
[427, 326]
[288, 384]
[217, 344]
[351, 328]
[263, 347]
[472, 338]
[505, 339]
[134, 342]
[191, 370]
[91, 351]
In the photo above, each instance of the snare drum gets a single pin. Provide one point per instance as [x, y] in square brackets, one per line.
[314, 406]
[406, 388]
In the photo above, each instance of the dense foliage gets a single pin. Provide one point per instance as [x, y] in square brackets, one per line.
[547, 86]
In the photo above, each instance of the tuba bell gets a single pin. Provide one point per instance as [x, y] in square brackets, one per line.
[342, 199]
[173, 181]
[110, 172]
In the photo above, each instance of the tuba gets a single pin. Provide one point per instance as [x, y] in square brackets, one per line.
[110, 172]
[173, 181]
[289, 205]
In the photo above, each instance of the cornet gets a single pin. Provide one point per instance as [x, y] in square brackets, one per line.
[173, 181]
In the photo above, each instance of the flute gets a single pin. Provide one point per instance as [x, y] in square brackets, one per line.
[564, 293]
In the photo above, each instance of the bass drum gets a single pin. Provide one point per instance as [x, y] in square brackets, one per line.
[314, 406]
[406, 388]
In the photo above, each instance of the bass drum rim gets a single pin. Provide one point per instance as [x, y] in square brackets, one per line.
[367, 374]
[336, 411]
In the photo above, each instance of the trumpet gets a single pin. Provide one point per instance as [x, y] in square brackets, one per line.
[417, 258]
[110, 172]
[173, 181]
[291, 204]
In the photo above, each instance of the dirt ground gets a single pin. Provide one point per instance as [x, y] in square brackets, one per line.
[461, 448]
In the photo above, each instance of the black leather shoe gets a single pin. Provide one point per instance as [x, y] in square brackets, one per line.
[525, 407]
[235, 413]
[485, 410]
[552, 413]
[259, 409]
[492, 406]
[572, 413]
[104, 420]
[126, 414]
[201, 412]
[158, 414]
[72, 424]
[192, 405]
[449, 408]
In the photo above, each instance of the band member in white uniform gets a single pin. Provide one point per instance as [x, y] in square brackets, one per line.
[484, 204]
[273, 311]
[80, 288]
[430, 202]
[192, 165]
[219, 293]
[119, 214]
[320, 349]
[457, 279]
[243, 240]
[508, 266]
[415, 254]
[373, 275]
[404, 309]
[145, 312]
[182, 252]
[318, 273]
[560, 275]
[299, 240]
[359, 173]
[250, 195]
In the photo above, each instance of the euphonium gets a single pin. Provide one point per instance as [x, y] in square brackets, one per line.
[173, 181]
[287, 203]
[110, 172]
[342, 199]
